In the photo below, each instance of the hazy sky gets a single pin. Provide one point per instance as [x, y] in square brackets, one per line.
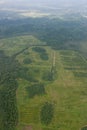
[45, 1]
[56, 3]
[44, 6]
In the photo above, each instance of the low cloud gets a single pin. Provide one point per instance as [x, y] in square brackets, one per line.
[2, 1]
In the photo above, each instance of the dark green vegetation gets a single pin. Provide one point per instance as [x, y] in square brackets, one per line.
[42, 52]
[39, 49]
[44, 56]
[27, 61]
[8, 87]
[46, 114]
[27, 74]
[50, 75]
[84, 128]
[35, 89]
[59, 34]
[47, 76]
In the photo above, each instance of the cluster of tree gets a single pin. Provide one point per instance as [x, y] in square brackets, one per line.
[27, 74]
[44, 56]
[35, 89]
[27, 61]
[84, 128]
[46, 114]
[8, 87]
[54, 32]
[50, 75]
[39, 49]
[10, 70]
[42, 52]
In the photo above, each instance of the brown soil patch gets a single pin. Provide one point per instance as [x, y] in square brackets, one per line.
[28, 128]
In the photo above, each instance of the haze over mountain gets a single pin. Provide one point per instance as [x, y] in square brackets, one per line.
[47, 7]
[56, 3]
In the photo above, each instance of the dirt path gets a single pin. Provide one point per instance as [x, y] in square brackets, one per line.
[54, 59]
[28, 128]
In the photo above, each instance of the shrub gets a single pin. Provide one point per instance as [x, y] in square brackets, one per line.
[27, 61]
[46, 113]
[44, 56]
[35, 89]
[39, 49]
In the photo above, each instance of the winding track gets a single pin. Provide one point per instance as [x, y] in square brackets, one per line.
[54, 59]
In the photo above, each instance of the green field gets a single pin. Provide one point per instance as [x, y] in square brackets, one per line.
[62, 79]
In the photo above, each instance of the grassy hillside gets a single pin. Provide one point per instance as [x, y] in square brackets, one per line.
[53, 86]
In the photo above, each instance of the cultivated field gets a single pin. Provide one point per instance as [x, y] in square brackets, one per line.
[48, 80]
